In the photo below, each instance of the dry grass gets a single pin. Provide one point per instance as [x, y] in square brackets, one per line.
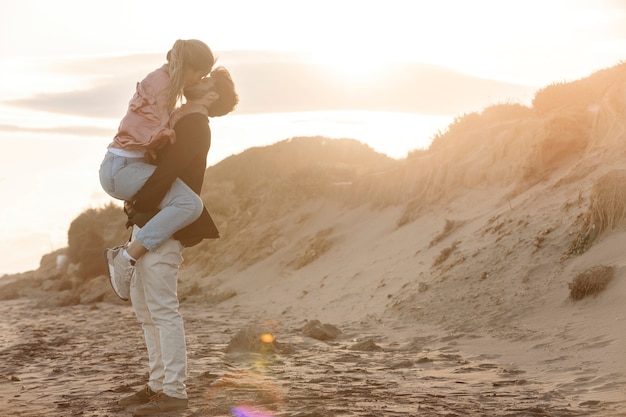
[495, 147]
[608, 201]
[559, 138]
[450, 226]
[445, 254]
[553, 97]
[609, 127]
[607, 210]
[591, 282]
[477, 149]
[460, 125]
[501, 112]
[579, 93]
[313, 249]
[495, 114]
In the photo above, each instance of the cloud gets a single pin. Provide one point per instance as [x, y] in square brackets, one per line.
[65, 130]
[112, 83]
[101, 101]
[270, 82]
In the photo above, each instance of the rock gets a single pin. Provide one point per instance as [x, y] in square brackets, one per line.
[251, 339]
[319, 331]
[95, 290]
[367, 346]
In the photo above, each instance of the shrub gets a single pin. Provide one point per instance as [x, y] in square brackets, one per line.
[91, 255]
[579, 93]
[460, 124]
[591, 282]
[505, 111]
[551, 97]
[489, 116]
[86, 249]
[90, 233]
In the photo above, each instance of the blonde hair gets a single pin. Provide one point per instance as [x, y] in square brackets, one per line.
[186, 54]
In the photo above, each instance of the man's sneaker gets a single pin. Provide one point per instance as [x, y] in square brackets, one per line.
[161, 403]
[120, 271]
[140, 397]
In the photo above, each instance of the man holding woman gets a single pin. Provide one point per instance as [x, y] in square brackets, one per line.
[152, 289]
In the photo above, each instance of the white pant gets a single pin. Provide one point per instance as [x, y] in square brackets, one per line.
[155, 301]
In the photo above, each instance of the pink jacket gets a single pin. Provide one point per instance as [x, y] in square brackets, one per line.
[146, 124]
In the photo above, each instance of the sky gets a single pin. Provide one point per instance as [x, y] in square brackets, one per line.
[70, 66]
[542, 40]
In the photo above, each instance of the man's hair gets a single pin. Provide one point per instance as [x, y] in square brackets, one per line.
[223, 85]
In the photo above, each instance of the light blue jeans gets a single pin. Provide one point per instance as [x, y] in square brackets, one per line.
[155, 301]
[122, 177]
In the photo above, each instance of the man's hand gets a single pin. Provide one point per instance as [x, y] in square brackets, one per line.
[129, 209]
[135, 217]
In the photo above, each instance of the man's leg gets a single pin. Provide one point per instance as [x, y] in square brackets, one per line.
[163, 326]
[150, 331]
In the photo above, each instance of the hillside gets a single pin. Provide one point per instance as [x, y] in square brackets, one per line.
[481, 236]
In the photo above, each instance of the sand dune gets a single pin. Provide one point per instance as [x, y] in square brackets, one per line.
[448, 277]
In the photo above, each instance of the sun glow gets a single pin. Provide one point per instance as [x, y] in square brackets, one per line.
[356, 66]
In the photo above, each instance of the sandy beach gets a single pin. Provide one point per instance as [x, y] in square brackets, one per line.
[76, 361]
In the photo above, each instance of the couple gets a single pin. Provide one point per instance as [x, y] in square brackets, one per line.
[156, 164]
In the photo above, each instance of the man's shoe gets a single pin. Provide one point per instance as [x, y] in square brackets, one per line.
[120, 271]
[161, 403]
[140, 397]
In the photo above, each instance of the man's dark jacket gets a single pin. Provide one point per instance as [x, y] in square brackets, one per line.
[185, 159]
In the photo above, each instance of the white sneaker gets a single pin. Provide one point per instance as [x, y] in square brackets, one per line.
[120, 271]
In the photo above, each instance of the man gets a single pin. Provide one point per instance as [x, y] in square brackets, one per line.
[155, 275]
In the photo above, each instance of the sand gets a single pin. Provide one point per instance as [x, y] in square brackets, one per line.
[76, 361]
[382, 357]
[455, 341]
[488, 331]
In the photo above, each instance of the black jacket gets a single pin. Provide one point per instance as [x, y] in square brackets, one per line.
[185, 159]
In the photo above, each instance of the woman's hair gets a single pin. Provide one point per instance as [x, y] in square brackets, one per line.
[192, 54]
[223, 85]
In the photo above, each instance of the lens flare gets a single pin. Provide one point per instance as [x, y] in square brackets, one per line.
[247, 394]
[246, 411]
[267, 338]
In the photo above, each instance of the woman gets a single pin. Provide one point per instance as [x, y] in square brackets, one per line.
[147, 127]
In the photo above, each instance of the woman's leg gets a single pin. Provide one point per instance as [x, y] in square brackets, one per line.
[123, 177]
[179, 208]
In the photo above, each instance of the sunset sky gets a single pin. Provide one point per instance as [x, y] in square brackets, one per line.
[532, 40]
[69, 68]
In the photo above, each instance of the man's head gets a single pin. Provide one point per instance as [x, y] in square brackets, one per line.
[217, 91]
